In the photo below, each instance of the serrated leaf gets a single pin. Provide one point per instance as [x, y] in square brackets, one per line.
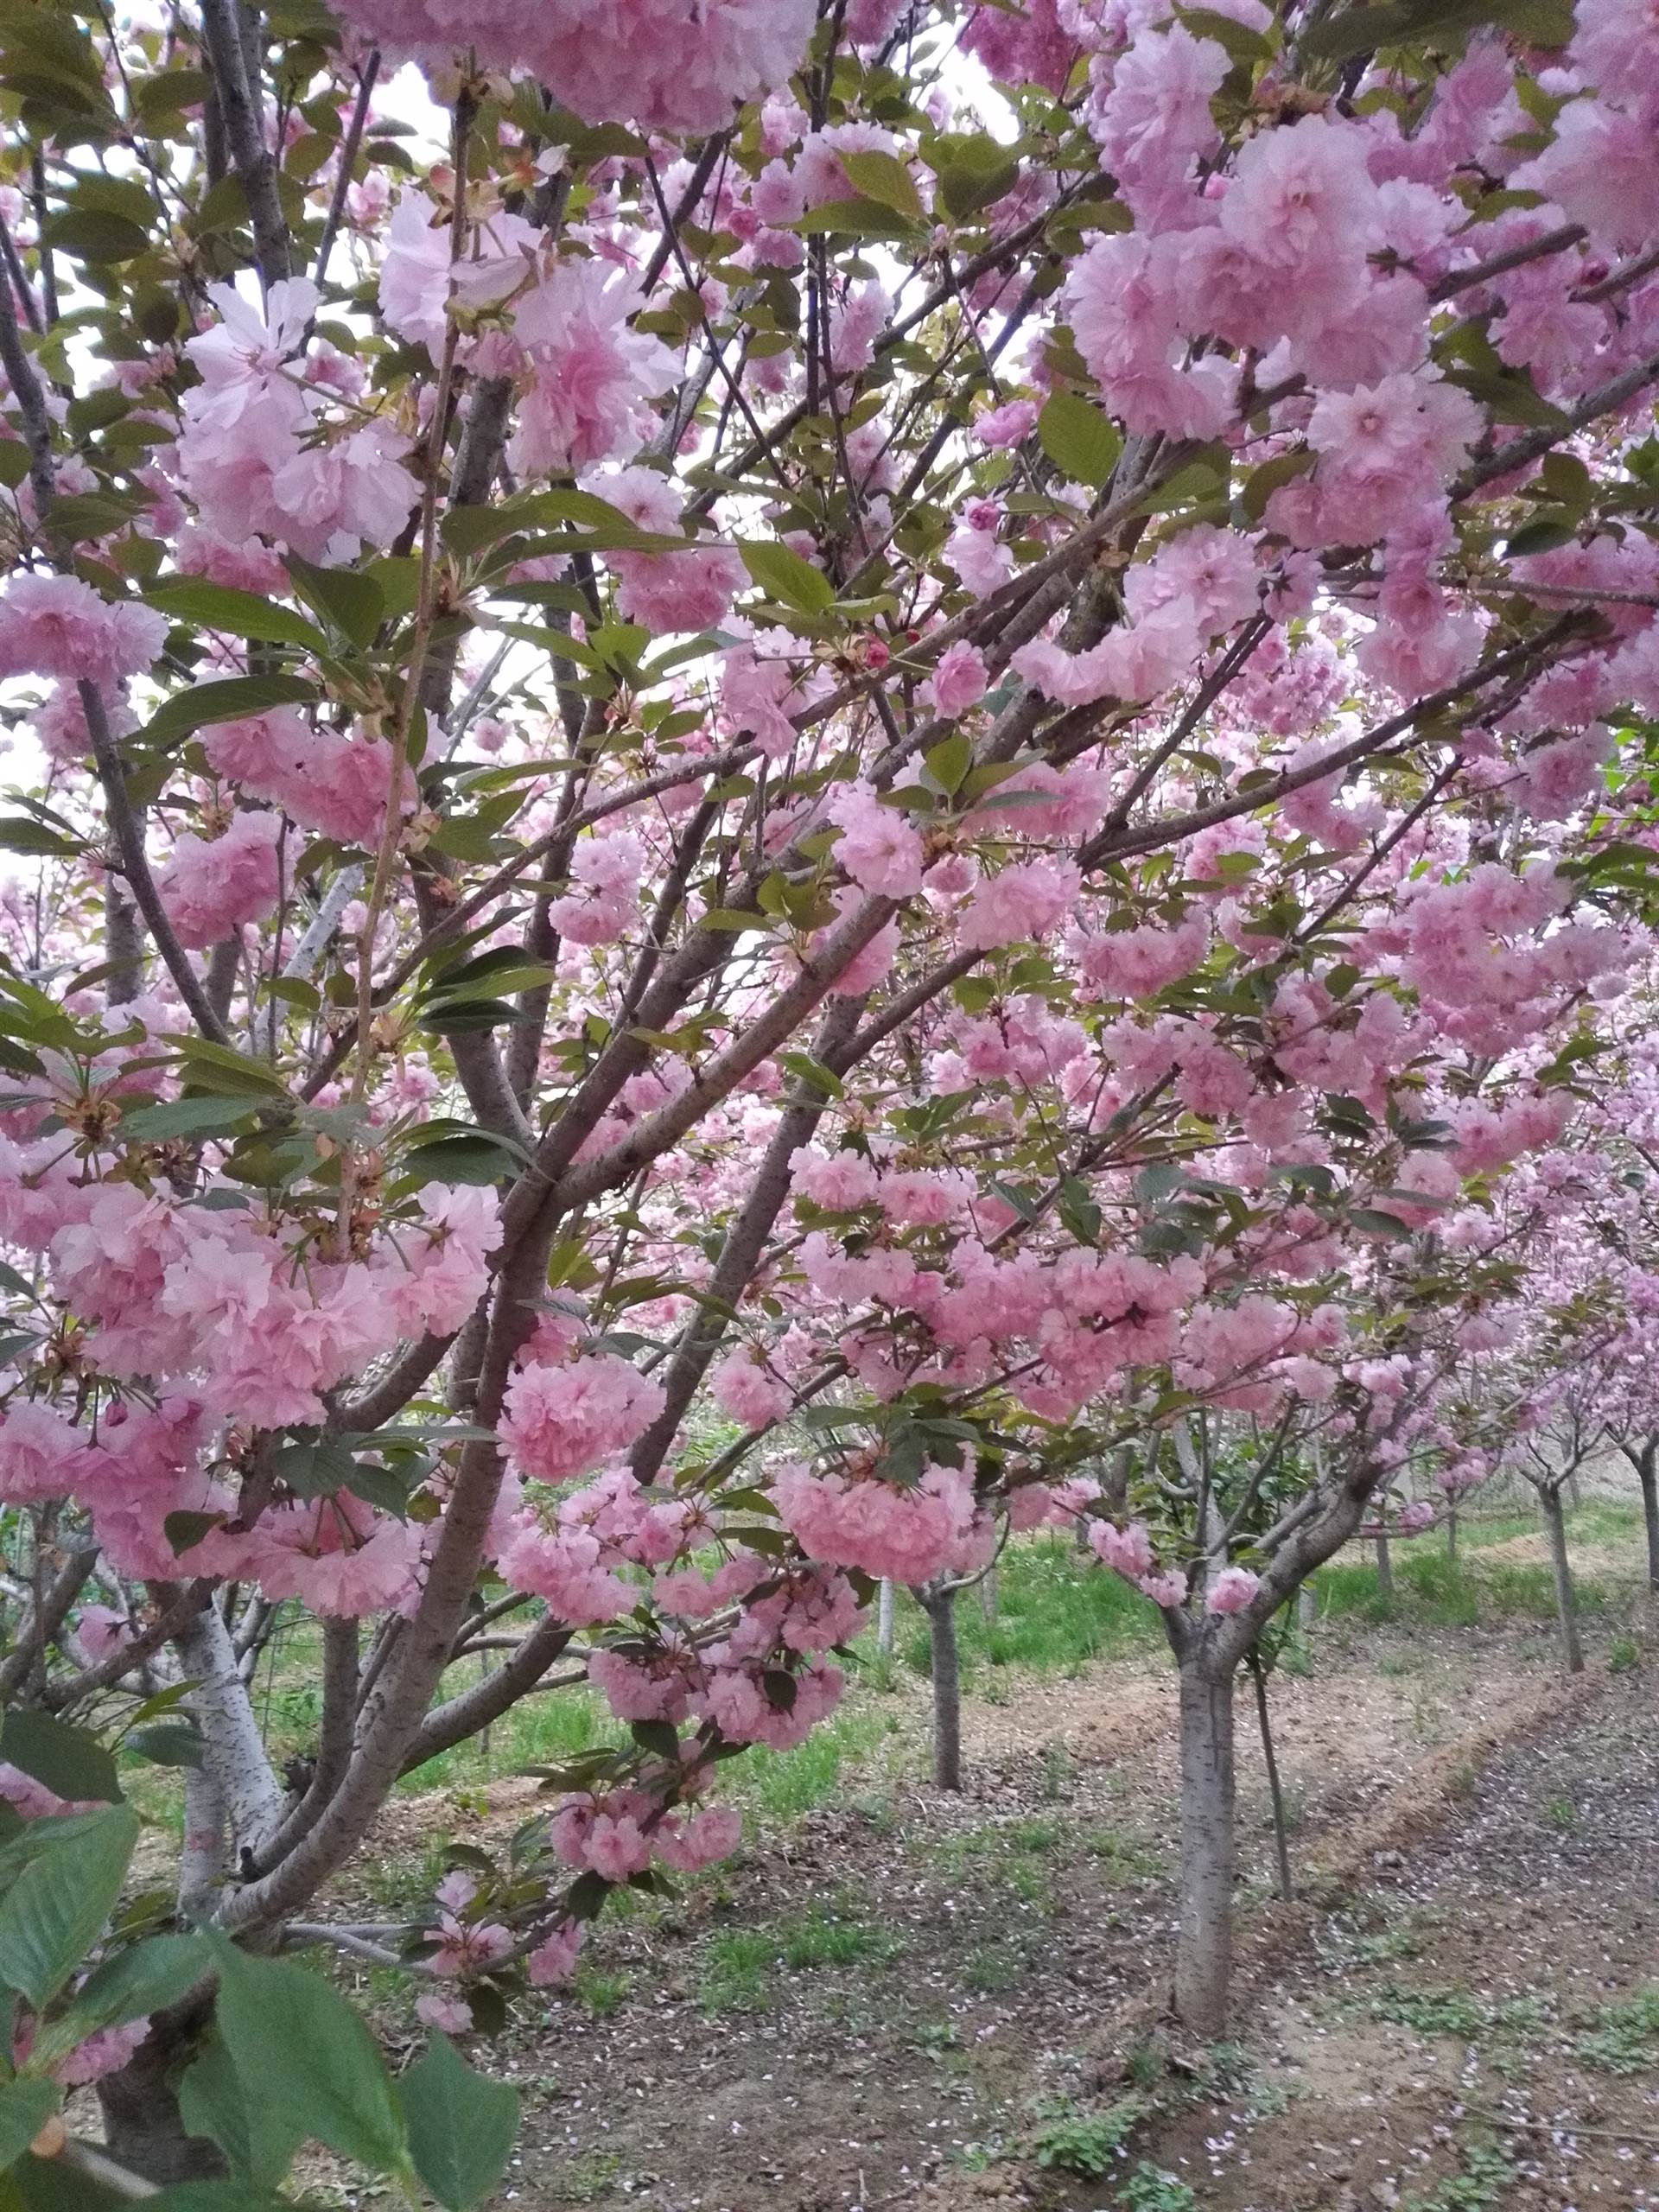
[55, 1911]
[66, 1759]
[303, 2052]
[348, 600]
[885, 178]
[186, 1117]
[461, 2125]
[258, 2140]
[226, 700]
[25, 2107]
[1079, 438]
[240, 614]
[144, 1979]
[783, 575]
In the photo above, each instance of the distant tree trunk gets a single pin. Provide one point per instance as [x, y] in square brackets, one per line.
[1573, 1488]
[1204, 1944]
[1307, 1605]
[1549, 1498]
[988, 1597]
[885, 1608]
[1281, 1837]
[1452, 1532]
[1646, 1463]
[940, 1603]
[1384, 1569]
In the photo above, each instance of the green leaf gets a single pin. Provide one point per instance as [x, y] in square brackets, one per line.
[25, 2107]
[54, 1911]
[948, 762]
[67, 1760]
[241, 613]
[461, 2125]
[173, 1743]
[258, 2140]
[21, 833]
[783, 575]
[302, 2050]
[973, 170]
[1376, 1223]
[91, 235]
[1079, 438]
[855, 218]
[885, 178]
[186, 1117]
[349, 600]
[226, 700]
[1436, 22]
[146, 1978]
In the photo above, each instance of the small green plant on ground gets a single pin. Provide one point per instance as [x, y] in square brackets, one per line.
[1152, 2189]
[1481, 2182]
[1625, 2039]
[1561, 1813]
[1454, 2012]
[1084, 2142]
[1623, 1654]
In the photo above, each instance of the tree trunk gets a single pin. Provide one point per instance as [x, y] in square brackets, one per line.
[988, 1596]
[1566, 1603]
[941, 1605]
[1647, 1473]
[1452, 1533]
[1204, 1947]
[885, 1606]
[1385, 1570]
[143, 2129]
[1275, 1791]
[1307, 1605]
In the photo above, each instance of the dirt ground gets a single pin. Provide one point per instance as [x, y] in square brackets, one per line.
[903, 1999]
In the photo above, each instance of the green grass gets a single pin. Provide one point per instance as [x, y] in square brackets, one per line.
[1431, 1590]
[1454, 2012]
[1085, 2143]
[773, 1786]
[541, 1732]
[1055, 1611]
[741, 1964]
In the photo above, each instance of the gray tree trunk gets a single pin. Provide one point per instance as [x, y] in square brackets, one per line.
[1647, 1473]
[1452, 1533]
[988, 1597]
[1385, 1570]
[885, 1606]
[941, 1607]
[1561, 1566]
[1204, 1947]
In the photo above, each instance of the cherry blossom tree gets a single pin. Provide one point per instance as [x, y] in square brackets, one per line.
[782, 766]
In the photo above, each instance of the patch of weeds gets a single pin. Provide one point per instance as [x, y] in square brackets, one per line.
[590, 2176]
[807, 1944]
[1084, 2142]
[1561, 1813]
[1060, 1768]
[781, 1785]
[1625, 2036]
[1623, 1654]
[1483, 2177]
[1129, 1859]
[938, 2037]
[739, 1962]
[734, 1978]
[401, 1883]
[601, 1994]
[1152, 2189]
[1143, 2063]
[1342, 1945]
[1454, 2012]
[990, 1969]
